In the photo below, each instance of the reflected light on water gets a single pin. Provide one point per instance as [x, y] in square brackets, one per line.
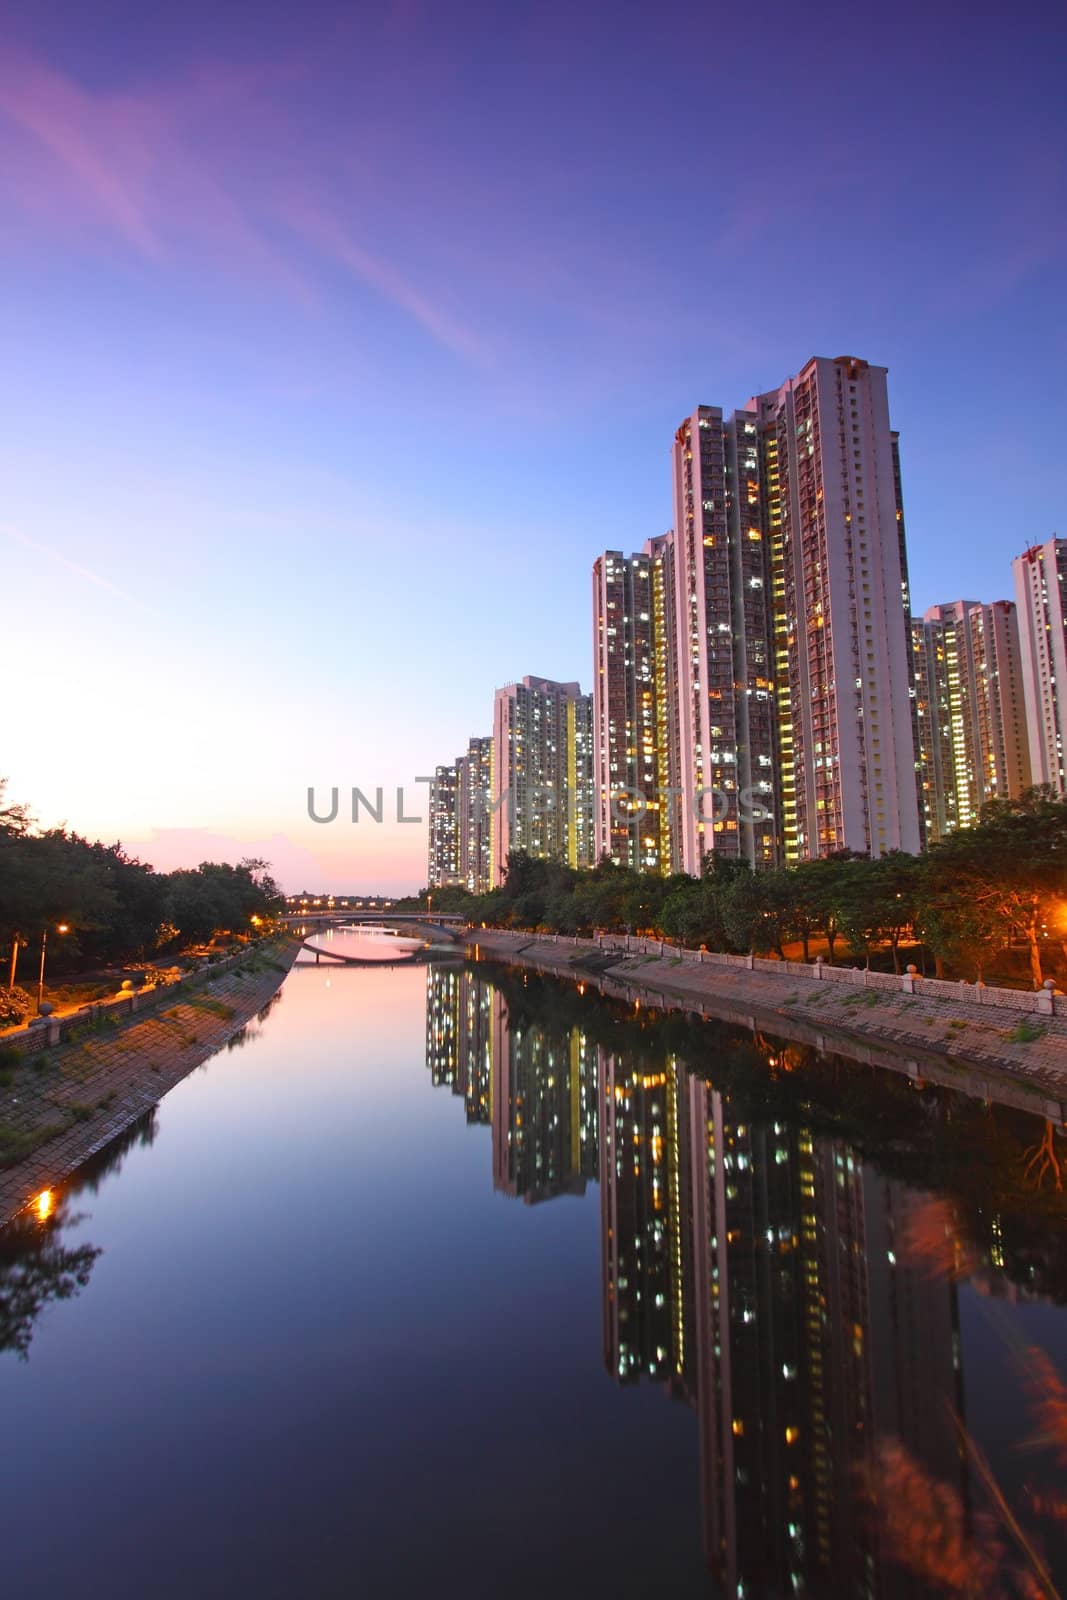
[45, 1203]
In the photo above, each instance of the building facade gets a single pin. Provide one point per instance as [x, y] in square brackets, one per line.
[626, 726]
[443, 864]
[541, 798]
[971, 712]
[758, 659]
[1040, 576]
[843, 651]
[474, 788]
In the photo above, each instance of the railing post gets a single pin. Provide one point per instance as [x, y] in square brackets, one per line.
[1045, 1001]
[907, 982]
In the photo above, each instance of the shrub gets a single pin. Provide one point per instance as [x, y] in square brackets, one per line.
[15, 1006]
[9, 1057]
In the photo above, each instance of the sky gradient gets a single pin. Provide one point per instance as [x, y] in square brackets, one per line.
[338, 341]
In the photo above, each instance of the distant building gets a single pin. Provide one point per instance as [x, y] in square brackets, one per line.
[443, 866]
[969, 699]
[475, 781]
[1040, 576]
[542, 774]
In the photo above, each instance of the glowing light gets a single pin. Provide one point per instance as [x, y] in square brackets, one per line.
[63, 928]
[45, 1204]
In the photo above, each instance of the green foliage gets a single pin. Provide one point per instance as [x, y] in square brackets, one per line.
[114, 907]
[1001, 882]
[15, 1006]
[1026, 1032]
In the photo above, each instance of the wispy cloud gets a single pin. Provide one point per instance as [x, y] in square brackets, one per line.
[77, 568]
[323, 231]
[186, 174]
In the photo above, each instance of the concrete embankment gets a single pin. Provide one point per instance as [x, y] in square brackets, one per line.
[997, 1052]
[62, 1105]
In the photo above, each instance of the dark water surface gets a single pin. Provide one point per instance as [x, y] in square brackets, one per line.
[449, 1281]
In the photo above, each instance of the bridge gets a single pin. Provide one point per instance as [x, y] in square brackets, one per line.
[440, 921]
[430, 928]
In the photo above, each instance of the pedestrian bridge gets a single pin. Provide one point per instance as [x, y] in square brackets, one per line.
[430, 928]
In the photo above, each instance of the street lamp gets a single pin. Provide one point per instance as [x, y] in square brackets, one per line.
[61, 927]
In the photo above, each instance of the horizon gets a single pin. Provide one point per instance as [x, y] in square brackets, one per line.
[340, 346]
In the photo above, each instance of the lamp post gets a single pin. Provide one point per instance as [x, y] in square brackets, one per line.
[61, 927]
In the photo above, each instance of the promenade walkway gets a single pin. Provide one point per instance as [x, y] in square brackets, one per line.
[63, 1105]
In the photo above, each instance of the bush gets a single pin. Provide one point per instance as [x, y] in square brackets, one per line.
[9, 1057]
[15, 1006]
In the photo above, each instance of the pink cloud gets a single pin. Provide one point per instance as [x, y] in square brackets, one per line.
[323, 232]
[190, 172]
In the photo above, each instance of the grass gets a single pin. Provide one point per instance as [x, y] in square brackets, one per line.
[80, 1111]
[1025, 1031]
[15, 1145]
[10, 1056]
[217, 1008]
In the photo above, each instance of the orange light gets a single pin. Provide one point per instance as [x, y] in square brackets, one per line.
[63, 928]
[44, 1204]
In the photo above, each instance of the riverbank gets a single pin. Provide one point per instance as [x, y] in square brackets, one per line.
[1008, 1056]
[61, 1105]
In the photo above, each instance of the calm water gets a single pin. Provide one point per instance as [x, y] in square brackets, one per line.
[449, 1281]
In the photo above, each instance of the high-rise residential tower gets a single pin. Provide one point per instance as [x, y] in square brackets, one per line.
[474, 786]
[626, 732]
[443, 866]
[542, 774]
[971, 713]
[844, 650]
[726, 721]
[772, 628]
[1040, 577]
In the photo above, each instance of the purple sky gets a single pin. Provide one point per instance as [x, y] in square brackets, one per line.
[338, 341]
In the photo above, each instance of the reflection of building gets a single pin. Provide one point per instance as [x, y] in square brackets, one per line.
[643, 1202]
[815, 1339]
[542, 773]
[762, 1272]
[544, 1108]
[460, 1011]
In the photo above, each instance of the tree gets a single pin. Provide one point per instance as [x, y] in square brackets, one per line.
[1007, 872]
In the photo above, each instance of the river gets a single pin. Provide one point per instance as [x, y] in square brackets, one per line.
[447, 1279]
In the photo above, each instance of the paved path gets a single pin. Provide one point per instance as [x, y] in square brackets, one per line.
[62, 1112]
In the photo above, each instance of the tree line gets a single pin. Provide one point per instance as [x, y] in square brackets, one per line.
[114, 907]
[997, 885]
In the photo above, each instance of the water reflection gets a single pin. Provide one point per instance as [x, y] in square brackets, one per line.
[36, 1268]
[784, 1240]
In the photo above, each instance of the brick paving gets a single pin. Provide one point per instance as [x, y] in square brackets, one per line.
[91, 1091]
[963, 1035]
